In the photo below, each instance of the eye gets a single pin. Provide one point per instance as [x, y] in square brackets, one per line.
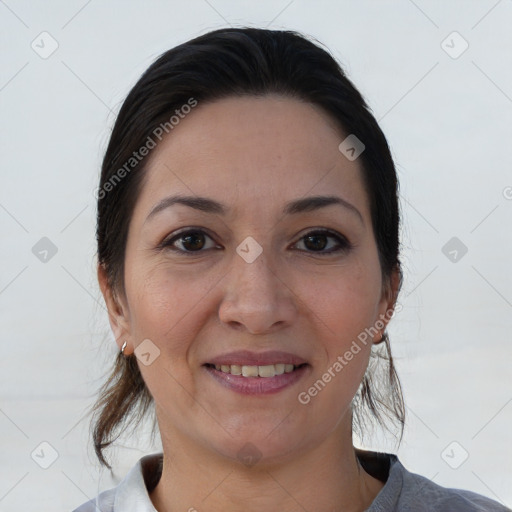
[191, 240]
[318, 241]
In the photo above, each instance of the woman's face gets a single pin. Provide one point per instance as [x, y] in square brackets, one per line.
[241, 273]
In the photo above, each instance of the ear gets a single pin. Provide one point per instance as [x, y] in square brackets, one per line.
[387, 304]
[118, 314]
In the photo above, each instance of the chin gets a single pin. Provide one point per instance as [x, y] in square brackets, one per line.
[260, 445]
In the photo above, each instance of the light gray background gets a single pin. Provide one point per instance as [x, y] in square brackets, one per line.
[448, 121]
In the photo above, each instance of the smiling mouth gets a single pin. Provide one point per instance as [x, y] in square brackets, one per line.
[266, 371]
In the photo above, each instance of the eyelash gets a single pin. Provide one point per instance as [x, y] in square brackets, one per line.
[342, 242]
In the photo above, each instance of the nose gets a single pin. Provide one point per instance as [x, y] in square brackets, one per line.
[257, 298]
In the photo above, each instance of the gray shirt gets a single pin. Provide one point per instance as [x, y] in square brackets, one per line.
[403, 491]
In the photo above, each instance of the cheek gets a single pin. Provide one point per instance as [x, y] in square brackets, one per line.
[345, 301]
[165, 306]
[344, 307]
[164, 309]
[343, 350]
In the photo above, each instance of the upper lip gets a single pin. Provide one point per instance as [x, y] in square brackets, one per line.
[248, 358]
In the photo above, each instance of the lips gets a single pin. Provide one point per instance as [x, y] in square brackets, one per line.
[248, 358]
[257, 373]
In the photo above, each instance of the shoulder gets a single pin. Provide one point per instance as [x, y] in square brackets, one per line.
[419, 494]
[405, 491]
[104, 502]
[131, 494]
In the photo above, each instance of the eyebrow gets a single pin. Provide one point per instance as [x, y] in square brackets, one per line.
[208, 205]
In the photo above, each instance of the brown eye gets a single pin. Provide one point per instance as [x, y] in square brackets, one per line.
[318, 241]
[193, 241]
[315, 242]
[188, 241]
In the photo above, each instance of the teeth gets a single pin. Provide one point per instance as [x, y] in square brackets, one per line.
[250, 371]
[269, 370]
[236, 370]
[280, 368]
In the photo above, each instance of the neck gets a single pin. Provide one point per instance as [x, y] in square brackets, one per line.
[325, 478]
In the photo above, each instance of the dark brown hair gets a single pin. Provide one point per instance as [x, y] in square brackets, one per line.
[223, 63]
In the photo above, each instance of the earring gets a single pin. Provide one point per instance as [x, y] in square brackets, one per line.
[123, 347]
[383, 338]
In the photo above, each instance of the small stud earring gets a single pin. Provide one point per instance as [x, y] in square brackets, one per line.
[123, 347]
[383, 338]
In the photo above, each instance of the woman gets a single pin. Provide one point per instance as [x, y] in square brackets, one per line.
[248, 246]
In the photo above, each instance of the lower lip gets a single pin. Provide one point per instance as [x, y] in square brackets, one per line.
[258, 385]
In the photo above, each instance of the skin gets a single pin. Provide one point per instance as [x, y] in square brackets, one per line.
[253, 155]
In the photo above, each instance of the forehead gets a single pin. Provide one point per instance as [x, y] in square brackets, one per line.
[271, 148]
